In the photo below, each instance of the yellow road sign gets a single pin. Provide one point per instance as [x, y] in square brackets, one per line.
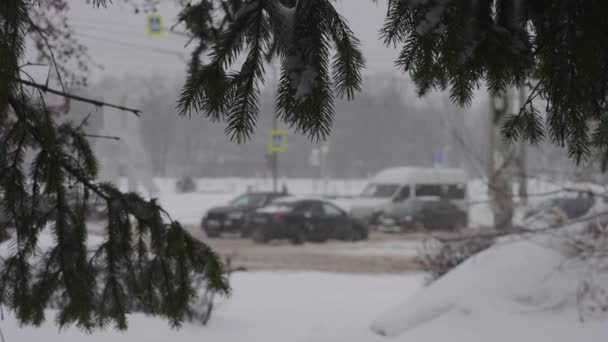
[277, 141]
[154, 24]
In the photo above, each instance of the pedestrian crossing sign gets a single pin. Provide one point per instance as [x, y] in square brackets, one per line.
[155, 24]
[277, 141]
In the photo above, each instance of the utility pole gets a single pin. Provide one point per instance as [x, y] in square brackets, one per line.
[522, 191]
[324, 150]
[275, 159]
[275, 124]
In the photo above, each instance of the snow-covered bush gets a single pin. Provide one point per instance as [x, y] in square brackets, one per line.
[185, 184]
[589, 246]
[438, 258]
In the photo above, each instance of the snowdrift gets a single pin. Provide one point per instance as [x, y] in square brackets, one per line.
[544, 276]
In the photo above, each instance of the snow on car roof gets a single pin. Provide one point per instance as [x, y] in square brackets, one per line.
[292, 199]
[420, 175]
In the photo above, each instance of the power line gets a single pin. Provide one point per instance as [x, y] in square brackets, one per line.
[180, 54]
[96, 21]
[133, 30]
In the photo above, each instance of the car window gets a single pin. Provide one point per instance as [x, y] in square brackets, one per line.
[404, 194]
[428, 190]
[380, 190]
[275, 197]
[549, 204]
[248, 200]
[575, 207]
[331, 210]
[456, 191]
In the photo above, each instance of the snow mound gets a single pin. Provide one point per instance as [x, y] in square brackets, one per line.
[516, 276]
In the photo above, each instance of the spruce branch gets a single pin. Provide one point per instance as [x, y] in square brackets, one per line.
[95, 289]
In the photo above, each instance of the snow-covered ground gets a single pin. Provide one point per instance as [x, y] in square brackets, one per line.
[264, 307]
[534, 288]
[514, 292]
[518, 291]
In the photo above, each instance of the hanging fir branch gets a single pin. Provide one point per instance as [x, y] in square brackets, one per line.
[301, 34]
[145, 261]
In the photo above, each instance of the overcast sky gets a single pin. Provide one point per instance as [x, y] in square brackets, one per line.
[117, 37]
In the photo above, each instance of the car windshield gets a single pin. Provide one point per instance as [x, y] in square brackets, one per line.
[380, 190]
[552, 203]
[248, 200]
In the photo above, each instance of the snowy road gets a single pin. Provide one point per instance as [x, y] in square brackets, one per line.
[381, 254]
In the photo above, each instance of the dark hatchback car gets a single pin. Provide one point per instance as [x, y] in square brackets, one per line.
[232, 217]
[571, 207]
[301, 220]
[419, 215]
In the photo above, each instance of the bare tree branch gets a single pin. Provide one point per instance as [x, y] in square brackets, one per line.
[53, 60]
[521, 231]
[46, 89]
[32, 64]
[101, 136]
[533, 94]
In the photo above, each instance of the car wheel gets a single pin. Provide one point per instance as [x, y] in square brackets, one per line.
[460, 225]
[297, 237]
[259, 235]
[245, 232]
[212, 233]
[356, 236]
[358, 233]
[418, 226]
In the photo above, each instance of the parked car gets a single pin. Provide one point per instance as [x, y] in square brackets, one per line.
[299, 220]
[395, 186]
[231, 218]
[566, 207]
[431, 214]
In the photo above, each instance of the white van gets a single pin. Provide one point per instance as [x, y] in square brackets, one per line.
[397, 185]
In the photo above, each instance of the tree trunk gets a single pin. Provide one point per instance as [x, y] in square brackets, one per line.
[500, 157]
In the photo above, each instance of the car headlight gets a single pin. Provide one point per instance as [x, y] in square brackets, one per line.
[235, 216]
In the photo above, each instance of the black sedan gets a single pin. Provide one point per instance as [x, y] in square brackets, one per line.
[231, 218]
[300, 220]
[418, 215]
